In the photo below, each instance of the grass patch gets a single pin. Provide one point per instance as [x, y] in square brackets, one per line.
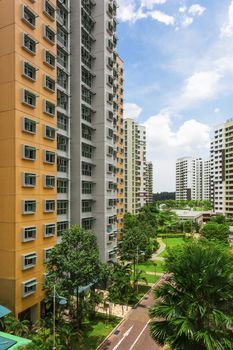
[95, 331]
[171, 243]
[152, 266]
[151, 278]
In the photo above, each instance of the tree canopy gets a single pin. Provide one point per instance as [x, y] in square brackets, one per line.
[194, 309]
[216, 232]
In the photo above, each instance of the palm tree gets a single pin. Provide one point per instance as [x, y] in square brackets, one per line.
[14, 326]
[194, 307]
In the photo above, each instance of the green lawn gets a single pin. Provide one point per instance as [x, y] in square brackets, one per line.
[171, 243]
[152, 266]
[94, 332]
[149, 278]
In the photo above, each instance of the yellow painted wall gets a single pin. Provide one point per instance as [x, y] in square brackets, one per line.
[11, 163]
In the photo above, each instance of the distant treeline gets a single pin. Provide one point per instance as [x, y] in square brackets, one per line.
[163, 196]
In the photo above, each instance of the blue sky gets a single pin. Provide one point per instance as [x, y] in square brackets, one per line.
[178, 75]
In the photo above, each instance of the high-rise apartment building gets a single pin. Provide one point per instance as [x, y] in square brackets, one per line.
[94, 121]
[222, 168]
[192, 179]
[58, 136]
[28, 150]
[120, 146]
[217, 160]
[206, 180]
[149, 181]
[135, 166]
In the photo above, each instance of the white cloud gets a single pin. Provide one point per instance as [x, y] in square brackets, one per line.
[187, 21]
[149, 4]
[183, 9]
[132, 110]
[131, 11]
[196, 10]
[227, 29]
[162, 17]
[166, 144]
[202, 85]
[216, 110]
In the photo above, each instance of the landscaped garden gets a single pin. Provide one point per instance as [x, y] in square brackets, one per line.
[172, 243]
[94, 332]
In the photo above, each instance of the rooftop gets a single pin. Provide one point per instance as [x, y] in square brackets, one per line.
[9, 341]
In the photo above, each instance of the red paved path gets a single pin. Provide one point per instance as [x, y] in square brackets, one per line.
[139, 337]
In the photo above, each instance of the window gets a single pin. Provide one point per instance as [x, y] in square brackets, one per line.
[49, 181]
[62, 36]
[49, 108]
[49, 10]
[29, 152]
[29, 234]
[62, 121]
[86, 206]
[62, 78]
[29, 180]
[49, 34]
[86, 187]
[47, 251]
[28, 261]
[86, 95]
[87, 224]
[29, 207]
[29, 125]
[86, 132]
[49, 230]
[61, 227]
[62, 164]
[29, 71]
[87, 150]
[62, 100]
[87, 113]
[62, 143]
[49, 206]
[29, 44]
[49, 59]
[62, 207]
[62, 185]
[49, 132]
[86, 169]
[29, 16]
[62, 15]
[29, 287]
[49, 83]
[29, 98]
[49, 157]
[62, 57]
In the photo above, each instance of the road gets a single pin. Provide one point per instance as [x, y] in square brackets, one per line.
[133, 333]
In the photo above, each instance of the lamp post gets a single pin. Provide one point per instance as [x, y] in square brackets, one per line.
[62, 301]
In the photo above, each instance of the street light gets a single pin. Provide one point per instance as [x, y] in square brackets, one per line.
[62, 301]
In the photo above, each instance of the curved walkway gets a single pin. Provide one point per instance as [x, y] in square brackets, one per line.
[162, 247]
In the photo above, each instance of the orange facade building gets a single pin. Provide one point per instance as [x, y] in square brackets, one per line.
[27, 150]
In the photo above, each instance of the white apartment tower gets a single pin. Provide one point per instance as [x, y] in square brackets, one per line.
[135, 166]
[217, 153]
[149, 182]
[192, 179]
[94, 119]
[63, 115]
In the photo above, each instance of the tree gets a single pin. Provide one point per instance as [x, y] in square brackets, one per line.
[194, 309]
[72, 264]
[219, 219]
[135, 245]
[216, 232]
[120, 290]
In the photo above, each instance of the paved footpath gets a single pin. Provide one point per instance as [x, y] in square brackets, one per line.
[133, 332]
